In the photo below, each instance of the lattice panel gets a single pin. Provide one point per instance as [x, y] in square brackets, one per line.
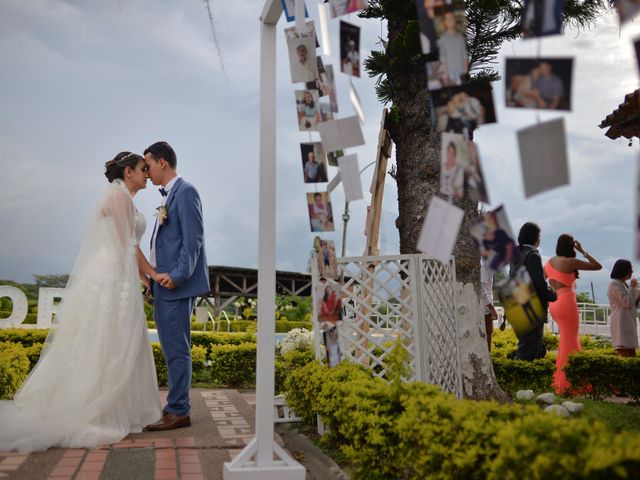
[406, 296]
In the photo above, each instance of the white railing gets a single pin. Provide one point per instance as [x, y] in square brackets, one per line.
[594, 320]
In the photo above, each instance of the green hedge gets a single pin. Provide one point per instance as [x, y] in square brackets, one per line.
[414, 431]
[26, 337]
[513, 375]
[601, 374]
[234, 365]
[14, 368]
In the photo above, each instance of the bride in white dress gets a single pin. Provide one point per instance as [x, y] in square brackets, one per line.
[95, 381]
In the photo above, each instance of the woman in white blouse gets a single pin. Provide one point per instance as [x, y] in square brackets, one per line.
[623, 299]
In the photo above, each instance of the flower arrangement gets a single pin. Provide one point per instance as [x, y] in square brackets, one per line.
[162, 215]
[299, 339]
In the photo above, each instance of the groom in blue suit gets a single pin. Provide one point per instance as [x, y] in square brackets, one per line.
[177, 253]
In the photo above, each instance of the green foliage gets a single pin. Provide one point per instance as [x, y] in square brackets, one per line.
[161, 365]
[513, 375]
[14, 368]
[414, 430]
[30, 290]
[33, 353]
[56, 281]
[603, 373]
[289, 362]
[23, 336]
[234, 365]
[200, 372]
[211, 339]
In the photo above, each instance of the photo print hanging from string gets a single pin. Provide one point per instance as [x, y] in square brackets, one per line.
[540, 83]
[330, 338]
[320, 212]
[289, 10]
[340, 134]
[453, 158]
[627, 9]
[468, 106]
[326, 258]
[474, 175]
[314, 162]
[344, 7]
[440, 229]
[328, 303]
[349, 49]
[428, 36]
[332, 157]
[308, 110]
[302, 59]
[494, 239]
[453, 60]
[541, 18]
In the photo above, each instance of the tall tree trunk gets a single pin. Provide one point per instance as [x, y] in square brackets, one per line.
[418, 180]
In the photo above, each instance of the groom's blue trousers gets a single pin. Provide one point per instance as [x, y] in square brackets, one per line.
[173, 320]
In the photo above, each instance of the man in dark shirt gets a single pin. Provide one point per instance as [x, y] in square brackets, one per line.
[531, 345]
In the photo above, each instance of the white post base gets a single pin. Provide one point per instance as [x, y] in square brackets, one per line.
[243, 467]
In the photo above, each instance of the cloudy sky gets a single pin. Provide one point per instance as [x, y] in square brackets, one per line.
[84, 80]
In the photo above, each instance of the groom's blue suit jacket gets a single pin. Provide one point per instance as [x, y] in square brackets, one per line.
[180, 244]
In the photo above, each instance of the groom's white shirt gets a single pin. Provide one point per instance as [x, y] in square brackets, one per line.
[167, 188]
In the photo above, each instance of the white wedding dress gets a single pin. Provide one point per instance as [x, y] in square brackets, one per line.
[95, 381]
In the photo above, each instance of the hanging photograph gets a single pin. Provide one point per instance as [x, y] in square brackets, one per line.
[543, 156]
[328, 303]
[314, 162]
[428, 36]
[332, 157]
[636, 48]
[326, 258]
[308, 108]
[343, 7]
[542, 17]
[325, 112]
[440, 229]
[349, 49]
[289, 9]
[331, 342]
[453, 158]
[320, 212]
[350, 174]
[292, 32]
[494, 239]
[541, 83]
[627, 9]
[453, 60]
[302, 59]
[468, 106]
[522, 306]
[473, 173]
[340, 134]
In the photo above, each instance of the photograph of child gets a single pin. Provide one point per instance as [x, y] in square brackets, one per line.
[308, 109]
[320, 212]
[522, 306]
[349, 49]
[465, 107]
[326, 258]
[332, 346]
[328, 303]
[343, 7]
[452, 161]
[542, 18]
[314, 162]
[542, 83]
[494, 239]
[627, 9]
[451, 24]
[475, 178]
[302, 59]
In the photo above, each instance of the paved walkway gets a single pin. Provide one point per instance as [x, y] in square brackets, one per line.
[222, 424]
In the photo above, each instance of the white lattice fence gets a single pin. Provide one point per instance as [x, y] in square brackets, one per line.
[407, 296]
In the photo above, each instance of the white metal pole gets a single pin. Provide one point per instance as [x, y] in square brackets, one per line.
[267, 248]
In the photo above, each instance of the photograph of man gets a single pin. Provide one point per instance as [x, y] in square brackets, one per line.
[542, 17]
[451, 164]
[452, 47]
[302, 59]
[308, 110]
[349, 49]
[539, 83]
[492, 235]
[314, 162]
[320, 212]
[465, 107]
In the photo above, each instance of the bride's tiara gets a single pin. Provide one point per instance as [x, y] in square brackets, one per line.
[127, 156]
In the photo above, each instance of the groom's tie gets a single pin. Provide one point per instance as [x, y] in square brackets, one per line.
[163, 192]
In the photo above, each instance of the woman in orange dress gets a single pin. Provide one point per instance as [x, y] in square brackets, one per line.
[562, 271]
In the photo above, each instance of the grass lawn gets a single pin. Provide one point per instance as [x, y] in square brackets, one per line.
[617, 416]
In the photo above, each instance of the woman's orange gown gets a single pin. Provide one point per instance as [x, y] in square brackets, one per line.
[565, 313]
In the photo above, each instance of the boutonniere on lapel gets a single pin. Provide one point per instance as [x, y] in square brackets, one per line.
[162, 215]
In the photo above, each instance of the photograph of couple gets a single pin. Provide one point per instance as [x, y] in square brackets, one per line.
[113, 391]
[455, 109]
[542, 83]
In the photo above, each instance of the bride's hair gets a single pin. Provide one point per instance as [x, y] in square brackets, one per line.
[115, 168]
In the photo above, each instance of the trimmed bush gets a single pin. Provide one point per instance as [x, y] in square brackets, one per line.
[513, 375]
[161, 366]
[288, 362]
[26, 337]
[199, 364]
[395, 430]
[234, 365]
[604, 373]
[14, 368]
[209, 340]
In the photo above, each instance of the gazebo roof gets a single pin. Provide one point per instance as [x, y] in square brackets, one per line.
[624, 121]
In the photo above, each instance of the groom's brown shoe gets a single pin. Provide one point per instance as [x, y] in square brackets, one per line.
[170, 421]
